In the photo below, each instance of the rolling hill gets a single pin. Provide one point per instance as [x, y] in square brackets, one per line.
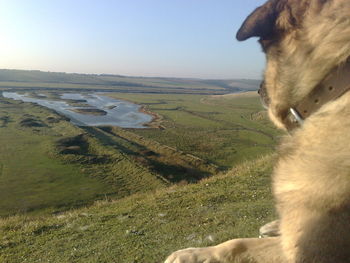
[35, 79]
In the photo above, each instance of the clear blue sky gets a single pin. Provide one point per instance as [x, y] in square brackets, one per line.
[181, 38]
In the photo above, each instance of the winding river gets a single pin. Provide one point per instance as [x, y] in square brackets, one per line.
[115, 112]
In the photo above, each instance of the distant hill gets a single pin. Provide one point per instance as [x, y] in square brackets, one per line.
[35, 79]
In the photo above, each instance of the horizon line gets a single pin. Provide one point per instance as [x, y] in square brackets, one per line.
[127, 76]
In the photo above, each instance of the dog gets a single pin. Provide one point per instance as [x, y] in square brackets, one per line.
[306, 84]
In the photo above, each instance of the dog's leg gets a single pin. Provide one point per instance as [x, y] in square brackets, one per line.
[246, 250]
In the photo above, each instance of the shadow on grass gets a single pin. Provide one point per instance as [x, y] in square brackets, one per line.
[4, 120]
[159, 163]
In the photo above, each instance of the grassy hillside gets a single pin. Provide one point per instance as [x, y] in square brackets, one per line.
[224, 130]
[146, 209]
[46, 163]
[35, 79]
[169, 163]
[146, 227]
[49, 165]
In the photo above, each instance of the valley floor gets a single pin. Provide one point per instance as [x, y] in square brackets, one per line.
[106, 194]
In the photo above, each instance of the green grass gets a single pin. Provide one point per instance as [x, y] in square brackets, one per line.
[47, 166]
[37, 174]
[173, 165]
[35, 178]
[219, 129]
[147, 227]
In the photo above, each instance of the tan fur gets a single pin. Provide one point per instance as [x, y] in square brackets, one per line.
[312, 178]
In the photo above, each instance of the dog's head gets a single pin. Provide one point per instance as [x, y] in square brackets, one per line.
[303, 40]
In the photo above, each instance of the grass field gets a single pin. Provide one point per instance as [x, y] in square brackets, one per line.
[145, 228]
[223, 130]
[172, 165]
[49, 165]
[34, 177]
[199, 179]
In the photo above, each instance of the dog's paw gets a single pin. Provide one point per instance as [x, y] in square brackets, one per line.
[193, 255]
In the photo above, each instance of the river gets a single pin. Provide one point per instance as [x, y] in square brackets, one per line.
[116, 112]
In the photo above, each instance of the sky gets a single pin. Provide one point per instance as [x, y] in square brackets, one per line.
[164, 38]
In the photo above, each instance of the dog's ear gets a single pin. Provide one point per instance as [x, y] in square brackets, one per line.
[261, 22]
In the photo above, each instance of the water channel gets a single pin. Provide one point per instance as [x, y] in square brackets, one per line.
[98, 109]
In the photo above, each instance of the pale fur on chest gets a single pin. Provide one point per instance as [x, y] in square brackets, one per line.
[315, 159]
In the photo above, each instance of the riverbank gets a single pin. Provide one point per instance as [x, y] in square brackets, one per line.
[156, 121]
